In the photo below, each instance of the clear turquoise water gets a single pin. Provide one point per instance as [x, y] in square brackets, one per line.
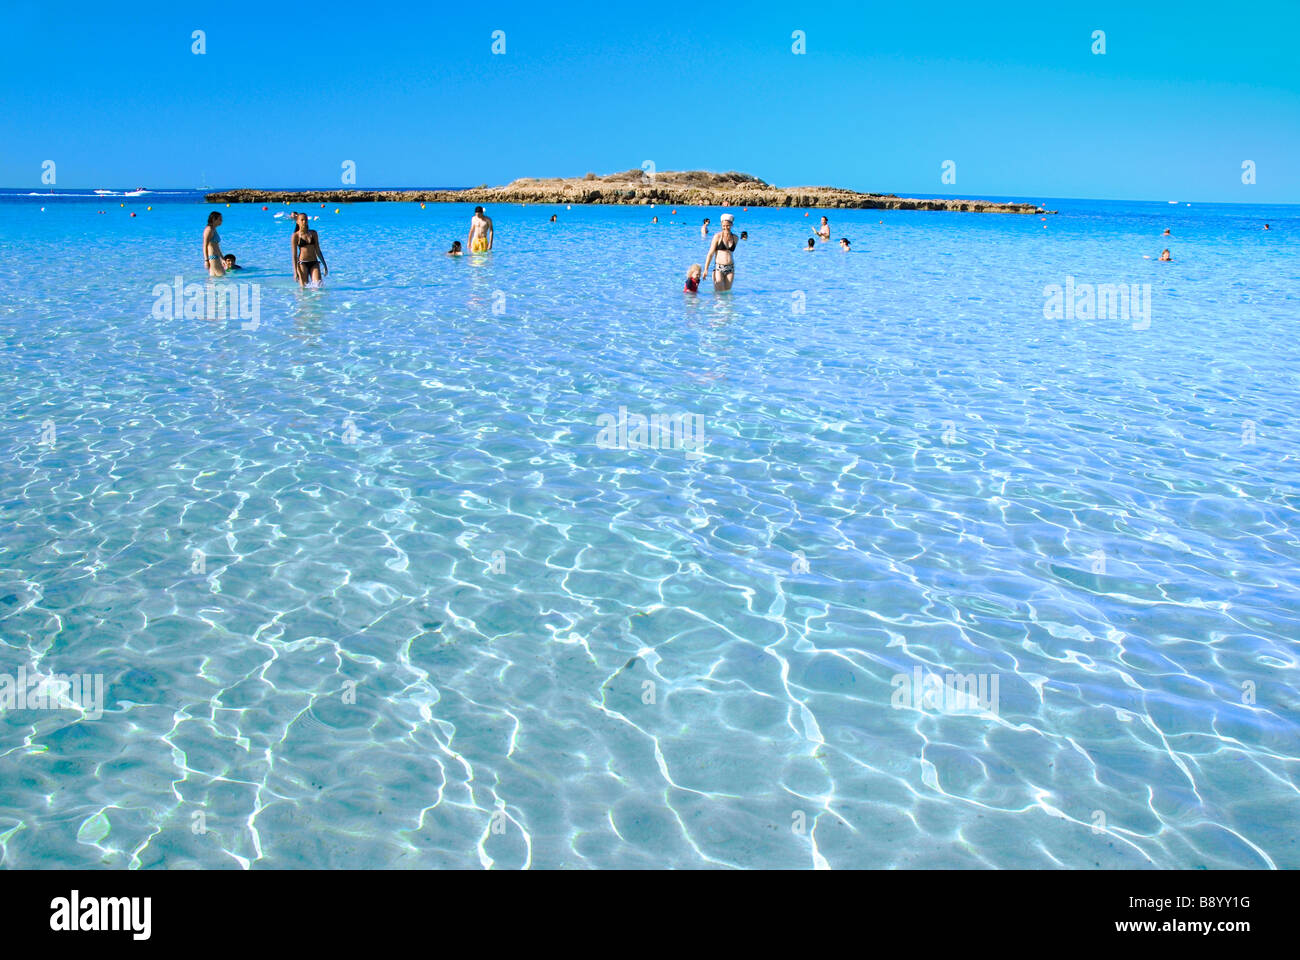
[1070, 507]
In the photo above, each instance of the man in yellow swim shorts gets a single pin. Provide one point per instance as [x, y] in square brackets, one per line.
[481, 233]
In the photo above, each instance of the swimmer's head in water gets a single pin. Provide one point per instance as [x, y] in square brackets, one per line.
[229, 259]
[744, 234]
[455, 247]
[811, 243]
[844, 242]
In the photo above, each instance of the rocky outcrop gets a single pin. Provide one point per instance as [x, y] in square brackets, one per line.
[684, 188]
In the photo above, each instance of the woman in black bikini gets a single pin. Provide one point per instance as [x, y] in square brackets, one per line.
[309, 264]
[722, 247]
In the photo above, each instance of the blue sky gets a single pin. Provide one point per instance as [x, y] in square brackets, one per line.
[1010, 92]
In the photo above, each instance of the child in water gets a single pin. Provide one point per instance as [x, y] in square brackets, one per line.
[229, 261]
[1164, 255]
[455, 250]
[693, 279]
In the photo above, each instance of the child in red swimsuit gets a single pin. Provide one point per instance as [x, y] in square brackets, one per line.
[693, 279]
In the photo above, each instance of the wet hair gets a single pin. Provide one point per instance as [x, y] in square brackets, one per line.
[744, 234]
[230, 257]
[811, 243]
[455, 245]
[213, 217]
[844, 239]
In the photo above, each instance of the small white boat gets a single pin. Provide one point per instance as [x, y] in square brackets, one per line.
[138, 192]
[105, 193]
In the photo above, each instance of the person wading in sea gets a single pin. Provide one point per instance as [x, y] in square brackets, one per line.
[481, 234]
[722, 247]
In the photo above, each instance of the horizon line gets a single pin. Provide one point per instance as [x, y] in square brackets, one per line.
[917, 195]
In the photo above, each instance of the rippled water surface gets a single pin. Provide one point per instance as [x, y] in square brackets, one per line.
[366, 590]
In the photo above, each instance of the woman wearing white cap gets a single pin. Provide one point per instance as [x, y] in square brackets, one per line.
[722, 247]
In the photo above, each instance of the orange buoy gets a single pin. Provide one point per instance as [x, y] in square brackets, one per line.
[264, 207]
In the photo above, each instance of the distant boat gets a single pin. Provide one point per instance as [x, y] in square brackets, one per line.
[1173, 201]
[137, 192]
[105, 193]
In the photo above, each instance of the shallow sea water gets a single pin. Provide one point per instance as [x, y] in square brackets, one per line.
[434, 623]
